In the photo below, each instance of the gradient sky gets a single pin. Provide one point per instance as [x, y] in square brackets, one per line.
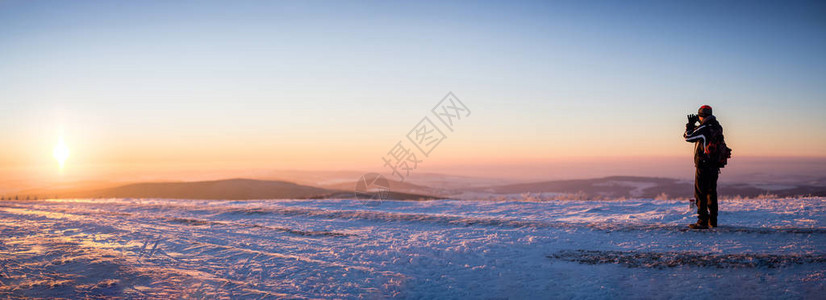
[147, 86]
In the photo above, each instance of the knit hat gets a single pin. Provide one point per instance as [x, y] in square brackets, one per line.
[704, 111]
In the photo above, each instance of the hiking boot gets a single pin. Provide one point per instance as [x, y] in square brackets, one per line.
[698, 225]
[712, 223]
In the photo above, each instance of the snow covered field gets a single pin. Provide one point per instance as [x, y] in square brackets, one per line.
[154, 248]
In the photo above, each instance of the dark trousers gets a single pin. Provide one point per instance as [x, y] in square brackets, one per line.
[705, 191]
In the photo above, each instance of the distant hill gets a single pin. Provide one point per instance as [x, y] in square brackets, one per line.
[230, 189]
[395, 186]
[649, 187]
[606, 187]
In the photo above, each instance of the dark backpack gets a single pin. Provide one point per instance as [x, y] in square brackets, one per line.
[716, 150]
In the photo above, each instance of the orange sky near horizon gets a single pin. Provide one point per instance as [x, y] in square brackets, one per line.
[484, 141]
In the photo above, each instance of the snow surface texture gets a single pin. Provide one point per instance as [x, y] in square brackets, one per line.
[154, 248]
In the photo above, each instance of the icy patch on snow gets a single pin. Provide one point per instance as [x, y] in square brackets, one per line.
[637, 259]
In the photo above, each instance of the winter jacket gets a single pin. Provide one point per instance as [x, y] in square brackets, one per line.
[700, 136]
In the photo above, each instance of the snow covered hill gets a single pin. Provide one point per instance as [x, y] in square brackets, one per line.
[156, 248]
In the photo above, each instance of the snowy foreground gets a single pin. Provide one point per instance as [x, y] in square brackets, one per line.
[150, 248]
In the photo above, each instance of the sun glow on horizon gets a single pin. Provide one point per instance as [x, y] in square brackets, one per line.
[61, 153]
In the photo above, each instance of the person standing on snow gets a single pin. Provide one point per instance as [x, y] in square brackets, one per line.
[705, 177]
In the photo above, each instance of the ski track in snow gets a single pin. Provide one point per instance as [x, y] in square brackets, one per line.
[262, 249]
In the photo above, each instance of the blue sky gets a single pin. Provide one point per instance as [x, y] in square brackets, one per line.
[282, 83]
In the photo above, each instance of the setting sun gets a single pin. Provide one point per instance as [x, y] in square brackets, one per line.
[61, 153]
